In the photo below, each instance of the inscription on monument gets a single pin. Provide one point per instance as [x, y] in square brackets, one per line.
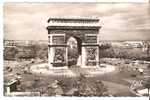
[58, 39]
[91, 39]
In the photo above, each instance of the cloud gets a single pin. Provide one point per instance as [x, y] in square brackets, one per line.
[28, 21]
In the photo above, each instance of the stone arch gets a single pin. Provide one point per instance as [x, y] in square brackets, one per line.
[84, 30]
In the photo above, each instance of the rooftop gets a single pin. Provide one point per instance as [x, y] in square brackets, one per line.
[74, 18]
[73, 22]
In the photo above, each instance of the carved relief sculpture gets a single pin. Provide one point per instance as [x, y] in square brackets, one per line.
[91, 56]
[59, 55]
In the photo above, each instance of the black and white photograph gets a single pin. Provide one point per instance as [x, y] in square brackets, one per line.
[76, 49]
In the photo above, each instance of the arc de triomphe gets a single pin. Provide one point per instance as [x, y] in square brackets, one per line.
[84, 30]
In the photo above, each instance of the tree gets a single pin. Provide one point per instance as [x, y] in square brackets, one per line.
[147, 85]
[101, 89]
[90, 88]
[10, 53]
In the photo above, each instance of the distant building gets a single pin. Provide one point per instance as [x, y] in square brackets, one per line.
[134, 44]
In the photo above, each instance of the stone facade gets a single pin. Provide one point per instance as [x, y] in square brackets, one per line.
[85, 30]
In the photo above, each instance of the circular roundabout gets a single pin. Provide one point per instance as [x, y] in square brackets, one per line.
[45, 69]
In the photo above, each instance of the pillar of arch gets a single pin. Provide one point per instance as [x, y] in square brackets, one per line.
[85, 30]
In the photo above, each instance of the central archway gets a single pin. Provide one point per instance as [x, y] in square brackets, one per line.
[74, 51]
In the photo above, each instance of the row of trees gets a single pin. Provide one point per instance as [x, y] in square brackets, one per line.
[26, 52]
[106, 50]
[110, 51]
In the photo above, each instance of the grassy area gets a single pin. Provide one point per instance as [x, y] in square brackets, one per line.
[114, 81]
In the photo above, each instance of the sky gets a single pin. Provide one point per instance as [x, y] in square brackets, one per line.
[119, 21]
